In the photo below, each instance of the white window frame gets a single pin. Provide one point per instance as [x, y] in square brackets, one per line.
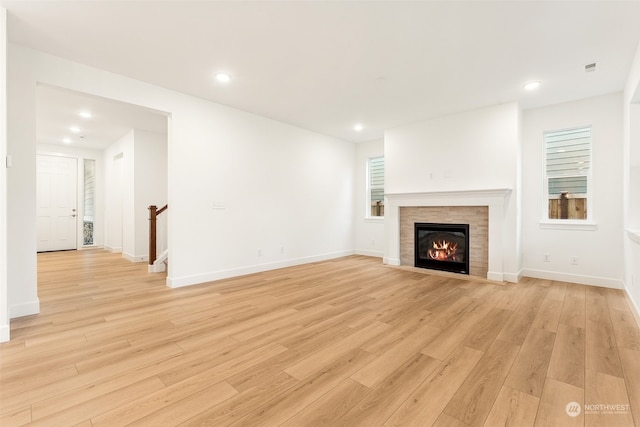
[369, 187]
[568, 224]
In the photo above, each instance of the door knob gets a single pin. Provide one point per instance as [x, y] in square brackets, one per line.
[74, 215]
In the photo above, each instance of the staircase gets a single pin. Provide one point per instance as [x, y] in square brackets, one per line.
[157, 264]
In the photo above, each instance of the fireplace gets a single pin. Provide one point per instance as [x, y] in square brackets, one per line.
[442, 247]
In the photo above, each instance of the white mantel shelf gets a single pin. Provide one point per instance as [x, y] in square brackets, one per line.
[494, 198]
[496, 192]
[634, 235]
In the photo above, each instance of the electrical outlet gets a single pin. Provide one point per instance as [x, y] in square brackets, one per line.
[281, 249]
[547, 258]
[573, 260]
[259, 252]
[373, 242]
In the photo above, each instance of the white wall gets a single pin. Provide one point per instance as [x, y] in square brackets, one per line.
[474, 150]
[21, 189]
[136, 177]
[631, 150]
[281, 191]
[4, 306]
[599, 251]
[369, 231]
[150, 185]
[81, 154]
[119, 192]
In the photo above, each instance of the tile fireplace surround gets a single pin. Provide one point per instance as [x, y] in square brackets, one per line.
[452, 207]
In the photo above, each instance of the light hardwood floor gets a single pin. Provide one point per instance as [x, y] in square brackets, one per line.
[347, 342]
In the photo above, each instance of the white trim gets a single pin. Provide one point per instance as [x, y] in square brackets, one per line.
[374, 219]
[375, 254]
[568, 224]
[634, 235]
[24, 309]
[5, 333]
[512, 277]
[112, 249]
[135, 258]
[606, 282]
[178, 282]
[634, 307]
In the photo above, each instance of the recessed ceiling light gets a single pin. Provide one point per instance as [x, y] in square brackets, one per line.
[223, 77]
[85, 114]
[66, 140]
[358, 127]
[531, 85]
[74, 129]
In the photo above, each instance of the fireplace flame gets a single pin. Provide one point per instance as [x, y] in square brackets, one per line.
[443, 250]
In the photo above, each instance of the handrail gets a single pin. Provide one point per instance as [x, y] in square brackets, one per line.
[153, 214]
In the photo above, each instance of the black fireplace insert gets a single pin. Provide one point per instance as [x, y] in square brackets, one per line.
[442, 247]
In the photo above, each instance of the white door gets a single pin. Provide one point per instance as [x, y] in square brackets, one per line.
[57, 203]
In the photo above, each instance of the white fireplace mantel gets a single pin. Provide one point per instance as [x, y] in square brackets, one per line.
[495, 199]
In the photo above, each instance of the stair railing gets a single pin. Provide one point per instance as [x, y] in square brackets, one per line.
[153, 215]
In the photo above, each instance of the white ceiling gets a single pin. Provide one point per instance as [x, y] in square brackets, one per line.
[57, 110]
[326, 65]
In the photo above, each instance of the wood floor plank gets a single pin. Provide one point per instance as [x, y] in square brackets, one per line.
[548, 315]
[243, 403]
[329, 354]
[375, 372]
[114, 345]
[574, 307]
[426, 403]
[331, 407]
[606, 402]
[186, 408]
[530, 367]
[448, 421]
[601, 348]
[513, 408]
[567, 362]
[631, 369]
[378, 405]
[555, 405]
[473, 401]
[99, 405]
[626, 331]
[447, 340]
[283, 407]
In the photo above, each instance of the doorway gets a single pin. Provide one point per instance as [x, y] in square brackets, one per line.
[57, 199]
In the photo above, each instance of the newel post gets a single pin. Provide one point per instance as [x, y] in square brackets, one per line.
[152, 233]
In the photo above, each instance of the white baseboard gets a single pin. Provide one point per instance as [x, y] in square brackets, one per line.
[605, 282]
[135, 258]
[375, 254]
[635, 308]
[24, 309]
[157, 267]
[177, 282]
[391, 261]
[4, 333]
[113, 249]
[512, 277]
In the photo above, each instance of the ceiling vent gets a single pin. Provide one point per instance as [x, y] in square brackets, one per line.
[590, 68]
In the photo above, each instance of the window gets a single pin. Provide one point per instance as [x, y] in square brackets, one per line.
[375, 187]
[568, 173]
[89, 201]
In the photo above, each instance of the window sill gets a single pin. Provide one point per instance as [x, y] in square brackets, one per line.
[374, 219]
[567, 224]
